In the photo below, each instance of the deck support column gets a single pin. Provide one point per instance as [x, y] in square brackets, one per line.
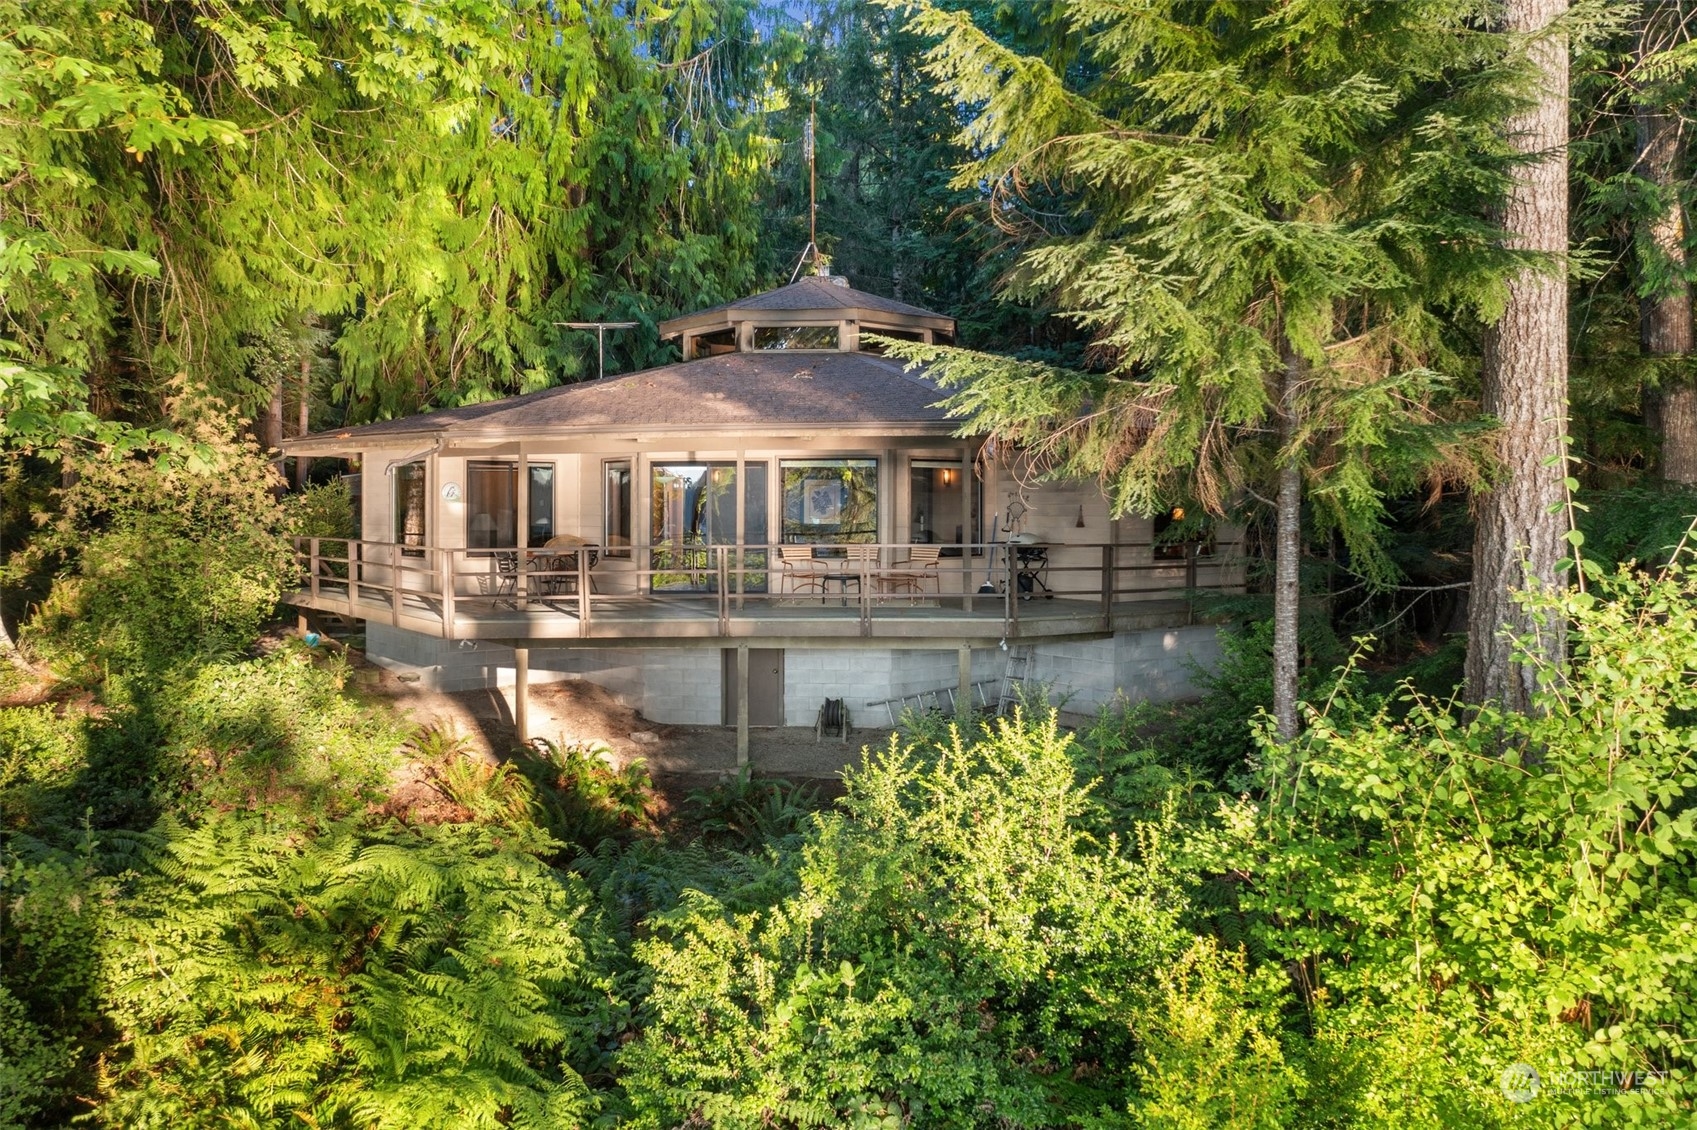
[521, 694]
[963, 692]
[742, 704]
[966, 461]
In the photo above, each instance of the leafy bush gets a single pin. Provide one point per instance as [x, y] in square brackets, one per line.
[1502, 888]
[174, 558]
[956, 952]
[324, 511]
[50, 913]
[277, 734]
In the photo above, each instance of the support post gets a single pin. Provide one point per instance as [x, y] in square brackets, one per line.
[521, 534]
[445, 560]
[1107, 586]
[965, 527]
[521, 694]
[742, 704]
[963, 692]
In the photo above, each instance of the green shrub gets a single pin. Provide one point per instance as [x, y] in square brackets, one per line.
[278, 735]
[956, 951]
[173, 559]
[51, 911]
[1496, 888]
[400, 978]
[1212, 1054]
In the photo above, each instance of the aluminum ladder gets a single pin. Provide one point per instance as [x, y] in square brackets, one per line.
[1015, 674]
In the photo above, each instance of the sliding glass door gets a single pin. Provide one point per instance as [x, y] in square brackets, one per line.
[695, 507]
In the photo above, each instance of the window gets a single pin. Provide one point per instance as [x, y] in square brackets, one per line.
[492, 505]
[617, 523]
[867, 331]
[830, 500]
[795, 337]
[935, 498]
[410, 509]
[713, 344]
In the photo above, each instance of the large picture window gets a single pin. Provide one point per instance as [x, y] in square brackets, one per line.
[410, 507]
[831, 501]
[492, 505]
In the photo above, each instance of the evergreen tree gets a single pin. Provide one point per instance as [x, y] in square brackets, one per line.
[1270, 217]
[438, 184]
[1520, 535]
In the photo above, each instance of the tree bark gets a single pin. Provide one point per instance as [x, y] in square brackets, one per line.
[272, 432]
[1665, 321]
[1287, 559]
[1519, 539]
[302, 463]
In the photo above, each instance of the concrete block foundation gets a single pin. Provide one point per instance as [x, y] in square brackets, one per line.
[684, 686]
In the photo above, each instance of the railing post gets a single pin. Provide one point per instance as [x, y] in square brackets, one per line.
[582, 586]
[721, 568]
[864, 587]
[445, 564]
[397, 575]
[521, 579]
[965, 575]
[312, 563]
[1012, 612]
[1107, 587]
[1190, 552]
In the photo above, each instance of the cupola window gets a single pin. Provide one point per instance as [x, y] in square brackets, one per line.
[795, 337]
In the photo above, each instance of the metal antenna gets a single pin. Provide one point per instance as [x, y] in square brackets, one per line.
[812, 185]
[600, 329]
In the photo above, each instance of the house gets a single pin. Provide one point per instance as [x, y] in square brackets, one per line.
[783, 517]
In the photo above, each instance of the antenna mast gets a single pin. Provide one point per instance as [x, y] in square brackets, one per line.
[807, 152]
[812, 185]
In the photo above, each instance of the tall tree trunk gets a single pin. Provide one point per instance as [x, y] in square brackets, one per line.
[1287, 559]
[1665, 311]
[272, 432]
[302, 463]
[1519, 538]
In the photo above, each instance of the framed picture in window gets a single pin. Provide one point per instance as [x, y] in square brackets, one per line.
[822, 502]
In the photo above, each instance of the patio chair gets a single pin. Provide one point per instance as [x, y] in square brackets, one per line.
[911, 575]
[801, 569]
[503, 582]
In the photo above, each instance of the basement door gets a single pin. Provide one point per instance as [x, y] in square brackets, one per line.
[765, 686]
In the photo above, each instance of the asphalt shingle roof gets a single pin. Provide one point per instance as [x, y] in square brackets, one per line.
[731, 392]
[816, 293]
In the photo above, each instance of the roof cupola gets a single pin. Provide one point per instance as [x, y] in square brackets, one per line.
[817, 313]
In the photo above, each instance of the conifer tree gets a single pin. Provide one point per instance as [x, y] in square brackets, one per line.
[1270, 214]
[1521, 527]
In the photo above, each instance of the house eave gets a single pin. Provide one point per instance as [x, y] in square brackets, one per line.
[602, 437]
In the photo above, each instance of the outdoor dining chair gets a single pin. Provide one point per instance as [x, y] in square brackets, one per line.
[802, 571]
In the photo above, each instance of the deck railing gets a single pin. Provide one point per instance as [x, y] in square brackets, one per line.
[866, 580]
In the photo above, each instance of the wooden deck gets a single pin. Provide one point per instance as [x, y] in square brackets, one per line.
[528, 609]
[675, 620]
